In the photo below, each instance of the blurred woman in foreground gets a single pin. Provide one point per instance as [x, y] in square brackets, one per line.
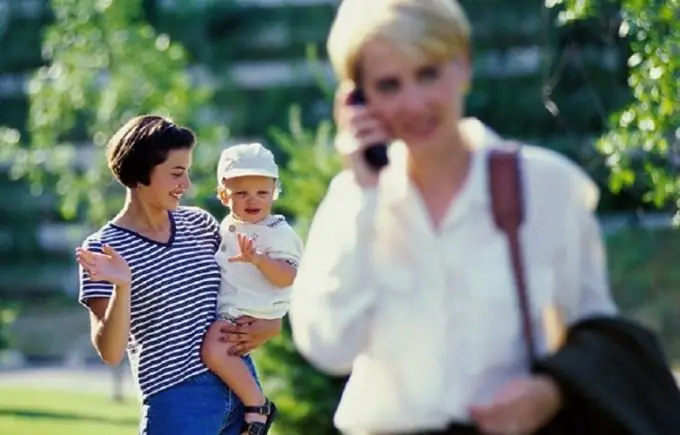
[406, 281]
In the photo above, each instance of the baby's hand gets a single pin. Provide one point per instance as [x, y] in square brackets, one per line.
[248, 252]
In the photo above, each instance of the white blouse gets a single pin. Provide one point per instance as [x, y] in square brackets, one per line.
[427, 320]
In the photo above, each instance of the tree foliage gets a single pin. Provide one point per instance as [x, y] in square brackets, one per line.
[104, 65]
[312, 163]
[645, 134]
[307, 398]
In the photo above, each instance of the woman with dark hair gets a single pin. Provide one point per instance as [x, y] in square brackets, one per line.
[150, 281]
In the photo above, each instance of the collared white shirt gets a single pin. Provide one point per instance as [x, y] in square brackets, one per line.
[427, 319]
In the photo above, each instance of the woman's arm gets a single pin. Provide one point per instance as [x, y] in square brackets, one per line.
[593, 295]
[110, 325]
[105, 290]
[332, 295]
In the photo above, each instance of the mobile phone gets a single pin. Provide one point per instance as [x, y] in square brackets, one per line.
[375, 155]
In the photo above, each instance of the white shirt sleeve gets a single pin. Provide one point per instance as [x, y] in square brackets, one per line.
[333, 295]
[285, 245]
[594, 295]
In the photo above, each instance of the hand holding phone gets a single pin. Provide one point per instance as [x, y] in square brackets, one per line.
[375, 155]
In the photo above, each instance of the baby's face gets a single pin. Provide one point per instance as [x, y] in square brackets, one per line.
[250, 198]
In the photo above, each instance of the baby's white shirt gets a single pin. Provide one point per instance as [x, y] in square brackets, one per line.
[244, 290]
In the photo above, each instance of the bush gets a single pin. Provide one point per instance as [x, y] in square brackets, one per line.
[312, 163]
[8, 313]
[645, 280]
[307, 399]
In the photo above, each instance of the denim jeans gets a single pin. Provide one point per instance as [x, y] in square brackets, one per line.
[201, 405]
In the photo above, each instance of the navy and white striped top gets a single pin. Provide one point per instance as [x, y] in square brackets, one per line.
[173, 295]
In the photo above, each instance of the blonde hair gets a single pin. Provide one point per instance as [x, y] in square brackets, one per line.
[434, 29]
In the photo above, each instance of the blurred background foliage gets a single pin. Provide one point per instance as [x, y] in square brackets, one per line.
[103, 65]
[595, 80]
[642, 139]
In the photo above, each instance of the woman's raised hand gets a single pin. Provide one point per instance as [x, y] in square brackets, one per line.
[105, 266]
[358, 129]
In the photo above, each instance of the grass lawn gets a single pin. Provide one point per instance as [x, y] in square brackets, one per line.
[33, 411]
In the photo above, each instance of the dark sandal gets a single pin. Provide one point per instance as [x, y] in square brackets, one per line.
[256, 427]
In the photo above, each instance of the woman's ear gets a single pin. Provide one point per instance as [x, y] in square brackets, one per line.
[223, 196]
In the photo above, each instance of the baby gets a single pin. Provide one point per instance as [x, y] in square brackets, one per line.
[259, 255]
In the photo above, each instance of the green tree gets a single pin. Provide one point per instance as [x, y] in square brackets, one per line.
[104, 64]
[643, 139]
[307, 399]
[312, 163]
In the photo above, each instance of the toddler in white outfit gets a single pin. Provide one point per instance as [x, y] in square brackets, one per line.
[258, 257]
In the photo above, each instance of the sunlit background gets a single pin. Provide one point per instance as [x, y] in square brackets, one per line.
[603, 90]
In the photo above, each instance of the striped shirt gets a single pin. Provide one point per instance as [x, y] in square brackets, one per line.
[173, 295]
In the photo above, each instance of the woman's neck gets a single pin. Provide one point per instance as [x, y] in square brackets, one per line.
[141, 217]
[442, 170]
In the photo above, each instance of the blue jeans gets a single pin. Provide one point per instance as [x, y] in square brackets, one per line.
[201, 405]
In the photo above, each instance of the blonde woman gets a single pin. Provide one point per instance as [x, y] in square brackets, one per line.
[406, 281]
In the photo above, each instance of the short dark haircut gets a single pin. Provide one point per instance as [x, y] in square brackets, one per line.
[143, 143]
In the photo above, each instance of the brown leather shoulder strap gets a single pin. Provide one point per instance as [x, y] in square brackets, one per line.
[507, 198]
